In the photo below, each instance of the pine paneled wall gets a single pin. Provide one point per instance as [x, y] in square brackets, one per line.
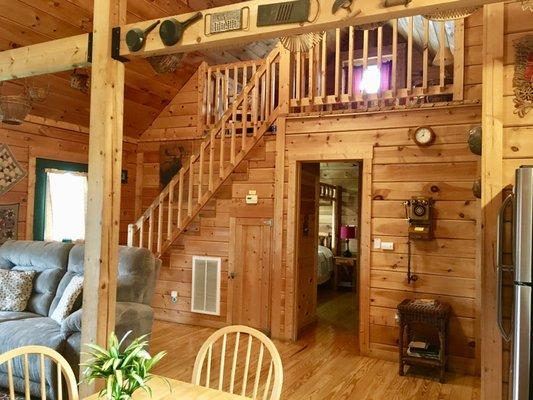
[56, 143]
[445, 171]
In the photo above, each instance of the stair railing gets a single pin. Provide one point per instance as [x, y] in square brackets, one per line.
[225, 146]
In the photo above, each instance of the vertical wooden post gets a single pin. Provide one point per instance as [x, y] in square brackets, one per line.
[105, 164]
[285, 83]
[459, 59]
[202, 98]
[491, 198]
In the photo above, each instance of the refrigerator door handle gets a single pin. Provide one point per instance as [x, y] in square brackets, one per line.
[500, 268]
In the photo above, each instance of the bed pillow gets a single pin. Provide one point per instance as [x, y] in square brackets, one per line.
[15, 289]
[69, 297]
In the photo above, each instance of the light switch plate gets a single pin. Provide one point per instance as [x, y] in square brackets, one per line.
[387, 245]
[377, 243]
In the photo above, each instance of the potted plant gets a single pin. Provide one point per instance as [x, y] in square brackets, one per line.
[124, 371]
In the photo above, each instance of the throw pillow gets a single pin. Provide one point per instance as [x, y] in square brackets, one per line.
[70, 294]
[15, 289]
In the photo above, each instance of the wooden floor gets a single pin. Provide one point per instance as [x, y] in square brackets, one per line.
[324, 363]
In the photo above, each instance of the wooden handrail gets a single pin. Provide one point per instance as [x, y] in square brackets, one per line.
[250, 115]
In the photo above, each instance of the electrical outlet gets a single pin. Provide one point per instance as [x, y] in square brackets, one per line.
[377, 243]
[387, 245]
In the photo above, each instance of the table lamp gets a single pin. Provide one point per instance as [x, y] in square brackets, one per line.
[347, 233]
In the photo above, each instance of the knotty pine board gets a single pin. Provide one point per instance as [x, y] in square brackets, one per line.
[32, 138]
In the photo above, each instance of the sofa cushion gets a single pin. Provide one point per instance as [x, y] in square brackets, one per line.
[14, 315]
[68, 299]
[137, 273]
[48, 259]
[15, 289]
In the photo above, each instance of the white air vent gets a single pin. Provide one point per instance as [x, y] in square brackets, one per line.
[206, 285]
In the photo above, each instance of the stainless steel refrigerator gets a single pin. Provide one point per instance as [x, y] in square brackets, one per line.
[521, 332]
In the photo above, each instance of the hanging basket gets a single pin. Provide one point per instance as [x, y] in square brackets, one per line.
[80, 81]
[303, 42]
[447, 15]
[14, 108]
[166, 63]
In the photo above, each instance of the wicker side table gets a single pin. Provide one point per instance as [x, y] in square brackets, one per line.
[435, 314]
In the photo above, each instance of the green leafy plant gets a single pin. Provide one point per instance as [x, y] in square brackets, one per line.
[124, 371]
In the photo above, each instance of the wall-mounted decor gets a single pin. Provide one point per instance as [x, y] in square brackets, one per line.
[227, 21]
[447, 15]
[80, 81]
[475, 140]
[527, 5]
[166, 63]
[338, 4]
[476, 189]
[8, 222]
[10, 170]
[283, 13]
[301, 42]
[14, 108]
[523, 75]
[424, 136]
[171, 30]
[171, 158]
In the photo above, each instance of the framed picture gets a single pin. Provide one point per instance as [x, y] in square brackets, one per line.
[523, 75]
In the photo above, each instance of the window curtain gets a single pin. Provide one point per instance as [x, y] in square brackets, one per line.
[66, 205]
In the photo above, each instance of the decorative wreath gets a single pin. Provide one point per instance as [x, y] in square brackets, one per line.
[523, 75]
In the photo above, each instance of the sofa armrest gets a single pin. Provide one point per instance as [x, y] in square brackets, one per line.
[135, 317]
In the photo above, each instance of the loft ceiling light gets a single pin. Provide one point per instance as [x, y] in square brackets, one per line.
[446, 15]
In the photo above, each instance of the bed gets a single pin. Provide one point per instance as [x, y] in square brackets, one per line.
[324, 265]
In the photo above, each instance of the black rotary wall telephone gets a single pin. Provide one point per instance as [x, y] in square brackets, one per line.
[419, 215]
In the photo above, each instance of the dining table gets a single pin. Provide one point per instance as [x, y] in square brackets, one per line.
[172, 389]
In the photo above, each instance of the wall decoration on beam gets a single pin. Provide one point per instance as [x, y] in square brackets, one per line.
[475, 140]
[523, 75]
[9, 215]
[166, 63]
[227, 21]
[11, 171]
[80, 81]
[171, 30]
[283, 13]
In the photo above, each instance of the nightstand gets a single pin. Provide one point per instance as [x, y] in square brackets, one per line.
[347, 265]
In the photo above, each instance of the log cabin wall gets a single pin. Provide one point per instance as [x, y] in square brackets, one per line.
[445, 171]
[41, 138]
[517, 131]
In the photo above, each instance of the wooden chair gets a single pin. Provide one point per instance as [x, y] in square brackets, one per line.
[63, 371]
[274, 368]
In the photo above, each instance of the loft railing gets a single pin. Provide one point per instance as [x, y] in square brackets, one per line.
[227, 143]
[421, 62]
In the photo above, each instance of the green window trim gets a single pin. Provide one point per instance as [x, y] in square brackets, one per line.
[39, 210]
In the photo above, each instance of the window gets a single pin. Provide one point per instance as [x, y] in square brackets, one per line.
[371, 81]
[206, 285]
[60, 200]
[66, 205]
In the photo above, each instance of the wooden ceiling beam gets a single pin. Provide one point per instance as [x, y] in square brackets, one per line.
[45, 58]
[194, 38]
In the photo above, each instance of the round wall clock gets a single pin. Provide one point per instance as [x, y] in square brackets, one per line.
[424, 136]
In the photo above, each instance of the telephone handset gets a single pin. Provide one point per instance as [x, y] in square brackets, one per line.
[419, 215]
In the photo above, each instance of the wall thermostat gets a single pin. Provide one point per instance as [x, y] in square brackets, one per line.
[252, 197]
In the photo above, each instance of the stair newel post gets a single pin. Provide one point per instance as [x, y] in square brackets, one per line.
[191, 186]
[212, 160]
[244, 118]
[160, 222]
[222, 141]
[150, 229]
[201, 172]
[171, 189]
[180, 197]
[285, 84]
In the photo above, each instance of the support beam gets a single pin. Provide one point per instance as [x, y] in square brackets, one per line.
[363, 12]
[491, 184]
[105, 163]
[45, 58]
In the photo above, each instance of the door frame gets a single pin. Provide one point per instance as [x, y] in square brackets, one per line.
[363, 154]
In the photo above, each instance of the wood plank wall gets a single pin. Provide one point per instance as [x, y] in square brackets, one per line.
[209, 234]
[446, 266]
[34, 138]
[473, 56]
[518, 132]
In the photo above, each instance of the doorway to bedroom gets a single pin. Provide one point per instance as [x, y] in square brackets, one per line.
[328, 248]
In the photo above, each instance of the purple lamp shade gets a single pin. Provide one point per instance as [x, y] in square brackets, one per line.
[347, 232]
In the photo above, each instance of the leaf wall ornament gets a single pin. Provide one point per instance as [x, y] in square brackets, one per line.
[523, 75]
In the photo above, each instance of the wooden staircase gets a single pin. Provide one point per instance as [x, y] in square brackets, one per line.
[226, 145]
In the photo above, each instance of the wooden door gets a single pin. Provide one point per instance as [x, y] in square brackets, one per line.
[307, 242]
[249, 272]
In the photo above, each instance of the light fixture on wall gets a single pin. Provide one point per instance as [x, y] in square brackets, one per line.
[348, 232]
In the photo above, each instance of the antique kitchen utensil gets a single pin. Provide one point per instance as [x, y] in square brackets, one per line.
[171, 30]
[283, 13]
[233, 20]
[136, 37]
[338, 4]
[393, 3]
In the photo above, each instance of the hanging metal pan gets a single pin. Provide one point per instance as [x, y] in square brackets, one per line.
[171, 30]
